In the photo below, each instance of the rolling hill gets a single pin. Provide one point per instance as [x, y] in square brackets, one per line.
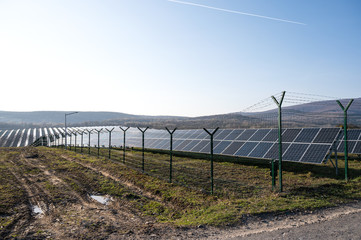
[325, 113]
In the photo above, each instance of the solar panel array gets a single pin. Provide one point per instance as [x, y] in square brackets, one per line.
[353, 141]
[24, 137]
[309, 145]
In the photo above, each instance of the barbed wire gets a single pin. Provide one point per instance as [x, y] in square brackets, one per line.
[290, 99]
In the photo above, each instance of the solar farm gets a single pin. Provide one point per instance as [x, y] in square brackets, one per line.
[187, 177]
[308, 145]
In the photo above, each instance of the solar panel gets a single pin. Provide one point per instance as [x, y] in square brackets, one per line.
[163, 144]
[149, 142]
[316, 153]
[357, 149]
[222, 135]
[191, 145]
[326, 135]
[200, 146]
[179, 134]
[295, 151]
[234, 134]
[259, 135]
[206, 148]
[176, 143]
[154, 143]
[289, 135]
[221, 147]
[351, 145]
[246, 149]
[188, 134]
[182, 145]
[233, 148]
[260, 150]
[202, 135]
[272, 136]
[352, 134]
[307, 135]
[246, 134]
[195, 134]
[273, 152]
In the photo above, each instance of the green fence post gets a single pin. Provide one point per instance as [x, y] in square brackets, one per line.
[279, 105]
[110, 141]
[344, 109]
[75, 135]
[81, 144]
[273, 174]
[124, 130]
[143, 131]
[70, 140]
[211, 136]
[98, 131]
[89, 132]
[170, 153]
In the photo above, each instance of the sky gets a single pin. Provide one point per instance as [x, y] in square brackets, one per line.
[183, 58]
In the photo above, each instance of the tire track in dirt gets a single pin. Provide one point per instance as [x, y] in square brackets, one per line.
[54, 179]
[128, 184]
[83, 218]
[87, 203]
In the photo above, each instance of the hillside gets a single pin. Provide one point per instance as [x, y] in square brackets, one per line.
[315, 114]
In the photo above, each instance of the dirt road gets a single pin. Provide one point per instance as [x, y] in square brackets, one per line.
[341, 222]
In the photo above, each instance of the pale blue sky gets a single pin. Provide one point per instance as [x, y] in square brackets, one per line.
[158, 57]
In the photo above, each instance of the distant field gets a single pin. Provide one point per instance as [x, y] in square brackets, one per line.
[60, 183]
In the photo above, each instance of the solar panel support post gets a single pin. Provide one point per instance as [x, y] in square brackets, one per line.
[334, 151]
[89, 132]
[124, 130]
[170, 153]
[110, 141]
[279, 105]
[344, 109]
[211, 136]
[98, 131]
[143, 131]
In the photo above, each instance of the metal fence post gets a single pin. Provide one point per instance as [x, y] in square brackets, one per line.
[273, 174]
[98, 131]
[110, 141]
[143, 131]
[89, 132]
[124, 130]
[344, 109]
[279, 105]
[70, 133]
[81, 142]
[211, 136]
[75, 134]
[170, 153]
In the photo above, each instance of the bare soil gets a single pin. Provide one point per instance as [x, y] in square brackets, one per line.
[70, 214]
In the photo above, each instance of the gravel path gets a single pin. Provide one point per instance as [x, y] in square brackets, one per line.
[333, 223]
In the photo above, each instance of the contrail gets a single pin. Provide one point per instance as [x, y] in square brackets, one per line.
[236, 12]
